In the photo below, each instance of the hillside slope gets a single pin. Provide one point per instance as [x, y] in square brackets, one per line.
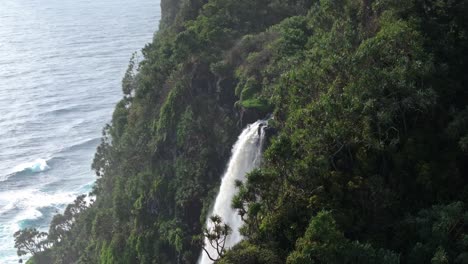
[368, 164]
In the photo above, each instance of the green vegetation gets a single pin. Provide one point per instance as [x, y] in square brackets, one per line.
[368, 164]
[216, 237]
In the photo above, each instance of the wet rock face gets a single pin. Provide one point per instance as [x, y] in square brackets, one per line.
[250, 115]
[203, 81]
[225, 88]
[269, 133]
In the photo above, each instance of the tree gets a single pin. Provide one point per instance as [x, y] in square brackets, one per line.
[247, 253]
[30, 241]
[129, 81]
[323, 242]
[216, 236]
[62, 223]
[436, 235]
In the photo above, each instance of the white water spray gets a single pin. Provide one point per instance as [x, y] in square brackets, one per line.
[246, 156]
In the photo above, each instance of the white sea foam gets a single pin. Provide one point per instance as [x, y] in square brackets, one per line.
[29, 201]
[26, 205]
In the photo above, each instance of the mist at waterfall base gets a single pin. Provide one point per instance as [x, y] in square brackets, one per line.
[62, 62]
[246, 156]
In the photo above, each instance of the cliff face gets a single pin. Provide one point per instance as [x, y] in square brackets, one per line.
[369, 113]
[169, 9]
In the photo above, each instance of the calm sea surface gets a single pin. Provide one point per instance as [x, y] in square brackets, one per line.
[61, 63]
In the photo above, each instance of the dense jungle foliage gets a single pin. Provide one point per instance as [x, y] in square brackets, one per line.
[369, 162]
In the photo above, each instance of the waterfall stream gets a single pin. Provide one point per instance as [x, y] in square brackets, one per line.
[246, 156]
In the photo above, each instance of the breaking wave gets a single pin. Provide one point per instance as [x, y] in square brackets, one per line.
[39, 165]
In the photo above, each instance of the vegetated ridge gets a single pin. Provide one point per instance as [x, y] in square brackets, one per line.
[367, 164]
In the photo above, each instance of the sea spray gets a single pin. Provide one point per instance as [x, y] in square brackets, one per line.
[246, 156]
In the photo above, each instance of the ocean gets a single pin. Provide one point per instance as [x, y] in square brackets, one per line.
[61, 66]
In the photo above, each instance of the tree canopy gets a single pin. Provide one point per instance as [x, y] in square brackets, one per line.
[366, 162]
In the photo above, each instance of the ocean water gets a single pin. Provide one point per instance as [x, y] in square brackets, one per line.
[61, 64]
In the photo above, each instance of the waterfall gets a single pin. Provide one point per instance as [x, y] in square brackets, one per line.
[246, 156]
